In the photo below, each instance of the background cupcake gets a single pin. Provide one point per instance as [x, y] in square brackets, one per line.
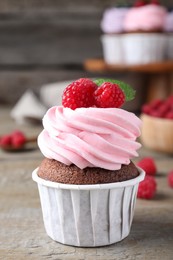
[168, 28]
[112, 27]
[144, 41]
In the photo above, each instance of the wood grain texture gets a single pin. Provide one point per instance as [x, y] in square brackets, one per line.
[22, 233]
[99, 65]
[7, 5]
[49, 38]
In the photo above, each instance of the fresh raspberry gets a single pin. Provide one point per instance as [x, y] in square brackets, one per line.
[5, 140]
[147, 188]
[163, 109]
[155, 113]
[109, 95]
[79, 93]
[170, 179]
[18, 139]
[155, 2]
[169, 115]
[169, 100]
[148, 165]
[146, 109]
[139, 3]
[156, 103]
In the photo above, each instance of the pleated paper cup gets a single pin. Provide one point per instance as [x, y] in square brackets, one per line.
[169, 50]
[88, 215]
[112, 49]
[143, 48]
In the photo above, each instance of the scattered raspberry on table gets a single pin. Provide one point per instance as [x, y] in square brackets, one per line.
[148, 165]
[170, 179]
[147, 188]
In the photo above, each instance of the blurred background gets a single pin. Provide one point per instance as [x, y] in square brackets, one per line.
[48, 41]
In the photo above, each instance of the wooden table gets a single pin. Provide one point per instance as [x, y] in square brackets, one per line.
[158, 76]
[22, 234]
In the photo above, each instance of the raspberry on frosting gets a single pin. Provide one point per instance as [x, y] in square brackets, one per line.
[79, 94]
[85, 93]
[109, 95]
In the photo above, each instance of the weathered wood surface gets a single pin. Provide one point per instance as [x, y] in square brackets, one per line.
[22, 234]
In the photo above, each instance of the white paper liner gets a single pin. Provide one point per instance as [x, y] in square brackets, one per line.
[169, 49]
[112, 49]
[143, 48]
[88, 215]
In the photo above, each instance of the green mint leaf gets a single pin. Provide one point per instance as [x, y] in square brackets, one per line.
[127, 89]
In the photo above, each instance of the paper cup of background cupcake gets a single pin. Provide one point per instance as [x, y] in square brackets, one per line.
[144, 40]
[112, 28]
[87, 181]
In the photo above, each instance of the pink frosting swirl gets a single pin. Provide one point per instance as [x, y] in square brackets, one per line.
[90, 137]
[146, 18]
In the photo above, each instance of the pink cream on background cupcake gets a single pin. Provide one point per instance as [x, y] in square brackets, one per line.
[145, 41]
[87, 181]
[112, 28]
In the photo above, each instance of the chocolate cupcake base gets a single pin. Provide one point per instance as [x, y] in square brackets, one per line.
[55, 171]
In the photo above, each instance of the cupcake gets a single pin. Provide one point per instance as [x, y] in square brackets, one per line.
[168, 28]
[87, 181]
[112, 28]
[145, 41]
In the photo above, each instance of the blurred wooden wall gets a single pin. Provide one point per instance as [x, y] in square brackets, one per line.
[47, 41]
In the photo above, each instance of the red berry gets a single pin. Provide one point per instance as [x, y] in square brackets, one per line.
[156, 103]
[155, 2]
[147, 188]
[155, 113]
[79, 93]
[170, 179]
[148, 165]
[18, 139]
[146, 109]
[140, 3]
[169, 100]
[163, 109]
[109, 95]
[5, 140]
[17, 132]
[169, 115]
